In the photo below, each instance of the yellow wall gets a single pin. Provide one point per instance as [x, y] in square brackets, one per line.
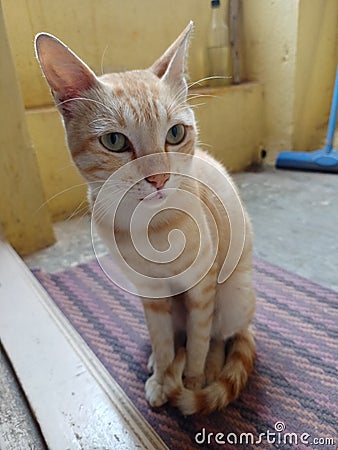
[270, 55]
[24, 218]
[109, 34]
[317, 57]
[289, 47]
[237, 144]
[64, 187]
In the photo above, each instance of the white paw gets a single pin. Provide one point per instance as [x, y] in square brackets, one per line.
[151, 363]
[154, 392]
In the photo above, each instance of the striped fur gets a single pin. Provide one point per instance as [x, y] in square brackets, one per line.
[143, 105]
[220, 392]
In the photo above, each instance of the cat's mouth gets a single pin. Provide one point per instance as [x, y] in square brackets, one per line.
[157, 196]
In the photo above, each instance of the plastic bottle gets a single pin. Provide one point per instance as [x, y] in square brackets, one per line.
[218, 50]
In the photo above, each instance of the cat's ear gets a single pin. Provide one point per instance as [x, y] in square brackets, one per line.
[170, 67]
[67, 76]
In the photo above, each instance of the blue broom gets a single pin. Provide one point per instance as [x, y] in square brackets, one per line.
[323, 160]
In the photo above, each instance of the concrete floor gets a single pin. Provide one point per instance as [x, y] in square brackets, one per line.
[295, 218]
[18, 429]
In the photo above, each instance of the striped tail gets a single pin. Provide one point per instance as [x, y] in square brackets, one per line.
[224, 390]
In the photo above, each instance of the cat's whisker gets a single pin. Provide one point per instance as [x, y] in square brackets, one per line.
[103, 207]
[178, 106]
[62, 192]
[65, 167]
[203, 144]
[96, 120]
[184, 107]
[178, 99]
[196, 105]
[181, 99]
[194, 96]
[84, 99]
[56, 195]
[102, 58]
[102, 211]
[199, 82]
[82, 209]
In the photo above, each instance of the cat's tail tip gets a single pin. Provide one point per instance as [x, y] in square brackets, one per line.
[223, 390]
[174, 372]
[174, 388]
[181, 397]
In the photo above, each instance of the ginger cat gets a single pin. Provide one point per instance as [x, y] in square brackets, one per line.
[202, 345]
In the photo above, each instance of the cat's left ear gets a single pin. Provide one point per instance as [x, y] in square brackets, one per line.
[67, 75]
[170, 67]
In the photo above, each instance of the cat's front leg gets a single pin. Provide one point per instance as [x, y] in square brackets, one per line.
[200, 302]
[160, 326]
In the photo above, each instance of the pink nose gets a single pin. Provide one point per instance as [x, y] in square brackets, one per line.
[158, 180]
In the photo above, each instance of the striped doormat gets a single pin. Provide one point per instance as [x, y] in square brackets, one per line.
[291, 400]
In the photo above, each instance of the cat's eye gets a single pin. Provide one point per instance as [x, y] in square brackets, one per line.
[176, 134]
[115, 142]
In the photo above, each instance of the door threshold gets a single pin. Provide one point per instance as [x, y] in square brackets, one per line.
[76, 402]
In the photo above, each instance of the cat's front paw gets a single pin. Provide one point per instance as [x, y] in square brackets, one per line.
[154, 392]
[194, 382]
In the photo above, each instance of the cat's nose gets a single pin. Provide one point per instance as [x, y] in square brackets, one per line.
[158, 180]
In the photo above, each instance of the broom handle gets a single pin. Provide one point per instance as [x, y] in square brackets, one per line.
[333, 117]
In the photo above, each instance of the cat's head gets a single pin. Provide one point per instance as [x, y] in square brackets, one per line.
[117, 118]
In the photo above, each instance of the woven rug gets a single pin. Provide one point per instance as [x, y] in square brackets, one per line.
[291, 399]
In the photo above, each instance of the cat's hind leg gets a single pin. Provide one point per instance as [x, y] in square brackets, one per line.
[215, 360]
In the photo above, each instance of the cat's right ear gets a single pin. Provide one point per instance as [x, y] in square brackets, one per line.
[67, 76]
[170, 67]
